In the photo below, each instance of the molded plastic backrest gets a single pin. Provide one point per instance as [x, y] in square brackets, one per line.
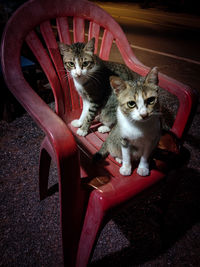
[41, 13]
[54, 19]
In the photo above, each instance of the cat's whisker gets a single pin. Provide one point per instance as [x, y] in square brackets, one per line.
[157, 113]
[63, 68]
[64, 77]
[93, 78]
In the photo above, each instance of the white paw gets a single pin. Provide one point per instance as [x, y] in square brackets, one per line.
[143, 171]
[103, 129]
[76, 123]
[81, 132]
[118, 160]
[125, 170]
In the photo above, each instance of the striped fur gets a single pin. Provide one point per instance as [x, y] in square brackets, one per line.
[91, 79]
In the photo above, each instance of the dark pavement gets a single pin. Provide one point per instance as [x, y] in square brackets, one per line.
[161, 227]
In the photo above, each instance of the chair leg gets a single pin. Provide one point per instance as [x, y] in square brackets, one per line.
[72, 206]
[91, 229]
[45, 162]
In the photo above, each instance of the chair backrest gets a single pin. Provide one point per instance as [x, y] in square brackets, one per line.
[42, 23]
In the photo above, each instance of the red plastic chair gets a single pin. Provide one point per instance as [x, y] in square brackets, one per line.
[83, 208]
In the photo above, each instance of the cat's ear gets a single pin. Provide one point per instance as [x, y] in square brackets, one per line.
[152, 76]
[64, 48]
[89, 47]
[117, 84]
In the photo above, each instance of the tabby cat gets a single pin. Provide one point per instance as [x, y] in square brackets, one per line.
[137, 131]
[91, 79]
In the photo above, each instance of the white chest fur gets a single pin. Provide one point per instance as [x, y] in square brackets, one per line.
[79, 86]
[143, 135]
[134, 130]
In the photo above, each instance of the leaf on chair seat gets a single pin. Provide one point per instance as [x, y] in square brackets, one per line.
[99, 181]
[167, 153]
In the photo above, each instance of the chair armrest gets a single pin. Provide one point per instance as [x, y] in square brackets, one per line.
[187, 103]
[59, 135]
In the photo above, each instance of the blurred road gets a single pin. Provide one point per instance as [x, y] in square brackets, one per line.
[170, 41]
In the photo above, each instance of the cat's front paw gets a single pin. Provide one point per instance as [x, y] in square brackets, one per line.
[125, 170]
[143, 171]
[81, 132]
[104, 129]
[76, 123]
[118, 160]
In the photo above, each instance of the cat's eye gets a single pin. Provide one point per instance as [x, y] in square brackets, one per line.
[131, 104]
[150, 100]
[71, 64]
[85, 64]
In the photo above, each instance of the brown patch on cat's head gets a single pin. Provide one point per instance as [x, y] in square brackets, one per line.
[117, 84]
[124, 91]
[139, 97]
[151, 79]
[150, 85]
[128, 97]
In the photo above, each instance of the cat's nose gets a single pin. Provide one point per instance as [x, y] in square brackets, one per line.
[78, 73]
[144, 115]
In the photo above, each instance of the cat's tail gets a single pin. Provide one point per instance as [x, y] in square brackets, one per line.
[101, 154]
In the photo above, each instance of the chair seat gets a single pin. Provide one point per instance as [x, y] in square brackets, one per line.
[109, 188]
[105, 176]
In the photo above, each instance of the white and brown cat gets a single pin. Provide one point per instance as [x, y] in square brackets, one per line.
[138, 128]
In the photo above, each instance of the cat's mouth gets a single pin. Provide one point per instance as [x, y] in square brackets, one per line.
[77, 76]
[80, 78]
[142, 118]
[148, 117]
[145, 118]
